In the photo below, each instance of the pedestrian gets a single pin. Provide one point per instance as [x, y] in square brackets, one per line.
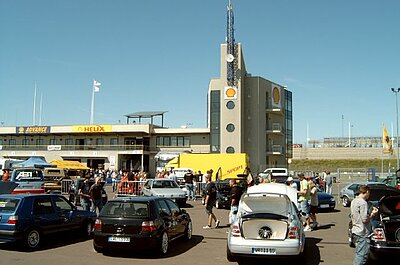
[328, 182]
[235, 194]
[96, 194]
[188, 177]
[211, 197]
[84, 196]
[6, 174]
[361, 224]
[313, 203]
[291, 183]
[304, 197]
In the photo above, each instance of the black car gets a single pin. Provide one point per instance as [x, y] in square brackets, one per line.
[28, 218]
[137, 223]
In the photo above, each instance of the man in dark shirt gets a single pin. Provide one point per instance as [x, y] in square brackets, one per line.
[236, 193]
[95, 193]
[211, 197]
[189, 185]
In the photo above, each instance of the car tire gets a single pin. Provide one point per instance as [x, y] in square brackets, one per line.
[32, 238]
[164, 244]
[229, 256]
[189, 231]
[345, 201]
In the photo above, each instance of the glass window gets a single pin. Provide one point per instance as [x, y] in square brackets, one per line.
[230, 150]
[62, 205]
[163, 207]
[39, 142]
[230, 127]
[12, 142]
[53, 141]
[69, 142]
[180, 141]
[114, 141]
[230, 104]
[99, 141]
[174, 208]
[25, 141]
[43, 206]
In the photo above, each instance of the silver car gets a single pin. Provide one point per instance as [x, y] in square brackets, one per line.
[268, 224]
[348, 193]
[167, 188]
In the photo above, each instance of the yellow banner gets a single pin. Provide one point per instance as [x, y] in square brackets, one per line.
[91, 128]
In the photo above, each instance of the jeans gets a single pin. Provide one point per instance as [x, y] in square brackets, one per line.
[329, 189]
[97, 204]
[305, 208]
[189, 191]
[85, 203]
[232, 214]
[362, 250]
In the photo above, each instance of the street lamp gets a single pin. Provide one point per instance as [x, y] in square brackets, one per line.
[396, 91]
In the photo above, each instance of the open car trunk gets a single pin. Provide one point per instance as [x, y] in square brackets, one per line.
[264, 226]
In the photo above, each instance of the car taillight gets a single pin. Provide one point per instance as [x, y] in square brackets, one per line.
[235, 230]
[148, 226]
[379, 234]
[293, 232]
[12, 220]
[97, 225]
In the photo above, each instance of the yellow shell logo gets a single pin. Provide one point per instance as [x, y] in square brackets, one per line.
[230, 92]
[21, 129]
[276, 96]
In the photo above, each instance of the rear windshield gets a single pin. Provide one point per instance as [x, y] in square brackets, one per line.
[27, 175]
[125, 209]
[8, 205]
[164, 184]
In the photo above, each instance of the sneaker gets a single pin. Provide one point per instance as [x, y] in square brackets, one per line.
[207, 227]
[307, 229]
[217, 223]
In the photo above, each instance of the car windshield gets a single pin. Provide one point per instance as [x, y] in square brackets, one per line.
[159, 184]
[8, 205]
[125, 209]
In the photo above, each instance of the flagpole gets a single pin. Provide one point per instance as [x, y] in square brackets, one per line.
[92, 107]
[34, 107]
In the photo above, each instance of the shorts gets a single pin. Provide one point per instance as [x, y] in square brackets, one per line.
[209, 208]
[305, 208]
[313, 209]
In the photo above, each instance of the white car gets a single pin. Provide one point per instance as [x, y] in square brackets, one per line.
[267, 224]
[167, 188]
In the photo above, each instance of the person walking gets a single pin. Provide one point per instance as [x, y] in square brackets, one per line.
[96, 192]
[83, 193]
[211, 197]
[188, 177]
[304, 197]
[313, 203]
[361, 224]
[328, 182]
[236, 192]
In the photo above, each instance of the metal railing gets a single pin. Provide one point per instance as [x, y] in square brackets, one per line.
[74, 147]
[129, 188]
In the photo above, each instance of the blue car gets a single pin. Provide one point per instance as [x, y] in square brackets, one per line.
[28, 218]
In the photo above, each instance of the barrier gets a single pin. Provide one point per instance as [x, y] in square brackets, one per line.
[66, 186]
[129, 188]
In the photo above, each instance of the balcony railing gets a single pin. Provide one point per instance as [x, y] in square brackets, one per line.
[275, 149]
[274, 127]
[73, 147]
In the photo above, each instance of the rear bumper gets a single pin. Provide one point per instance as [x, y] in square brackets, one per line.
[7, 236]
[136, 243]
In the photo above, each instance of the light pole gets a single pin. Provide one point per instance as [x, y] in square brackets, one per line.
[396, 91]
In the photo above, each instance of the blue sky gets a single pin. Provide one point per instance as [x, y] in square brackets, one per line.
[337, 57]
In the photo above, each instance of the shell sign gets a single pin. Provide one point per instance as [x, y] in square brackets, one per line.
[230, 92]
[276, 96]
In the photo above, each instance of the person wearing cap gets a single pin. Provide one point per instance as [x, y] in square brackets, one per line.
[304, 198]
[291, 182]
[6, 174]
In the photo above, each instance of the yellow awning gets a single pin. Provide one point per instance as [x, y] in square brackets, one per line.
[65, 164]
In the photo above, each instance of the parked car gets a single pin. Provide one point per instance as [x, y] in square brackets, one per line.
[348, 193]
[137, 223]
[385, 239]
[268, 224]
[166, 188]
[29, 180]
[28, 218]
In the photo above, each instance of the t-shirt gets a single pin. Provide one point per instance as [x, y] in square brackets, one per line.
[95, 191]
[211, 191]
[314, 196]
[236, 193]
[359, 214]
[304, 186]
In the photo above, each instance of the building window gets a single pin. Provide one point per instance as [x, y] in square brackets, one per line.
[230, 150]
[173, 141]
[25, 141]
[230, 104]
[53, 141]
[114, 141]
[39, 142]
[215, 121]
[69, 142]
[230, 127]
[99, 141]
[12, 142]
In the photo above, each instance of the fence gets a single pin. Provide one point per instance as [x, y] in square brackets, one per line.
[129, 188]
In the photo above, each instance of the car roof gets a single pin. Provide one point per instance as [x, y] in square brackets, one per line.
[276, 188]
[135, 199]
[25, 195]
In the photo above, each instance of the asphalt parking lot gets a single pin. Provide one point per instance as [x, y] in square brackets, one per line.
[326, 245]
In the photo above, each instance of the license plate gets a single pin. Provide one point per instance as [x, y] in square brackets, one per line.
[121, 239]
[270, 251]
[324, 205]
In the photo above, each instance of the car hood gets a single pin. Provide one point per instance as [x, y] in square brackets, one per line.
[324, 196]
[390, 205]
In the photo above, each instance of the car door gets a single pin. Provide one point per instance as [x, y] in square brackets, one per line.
[44, 215]
[166, 215]
[177, 217]
[66, 214]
